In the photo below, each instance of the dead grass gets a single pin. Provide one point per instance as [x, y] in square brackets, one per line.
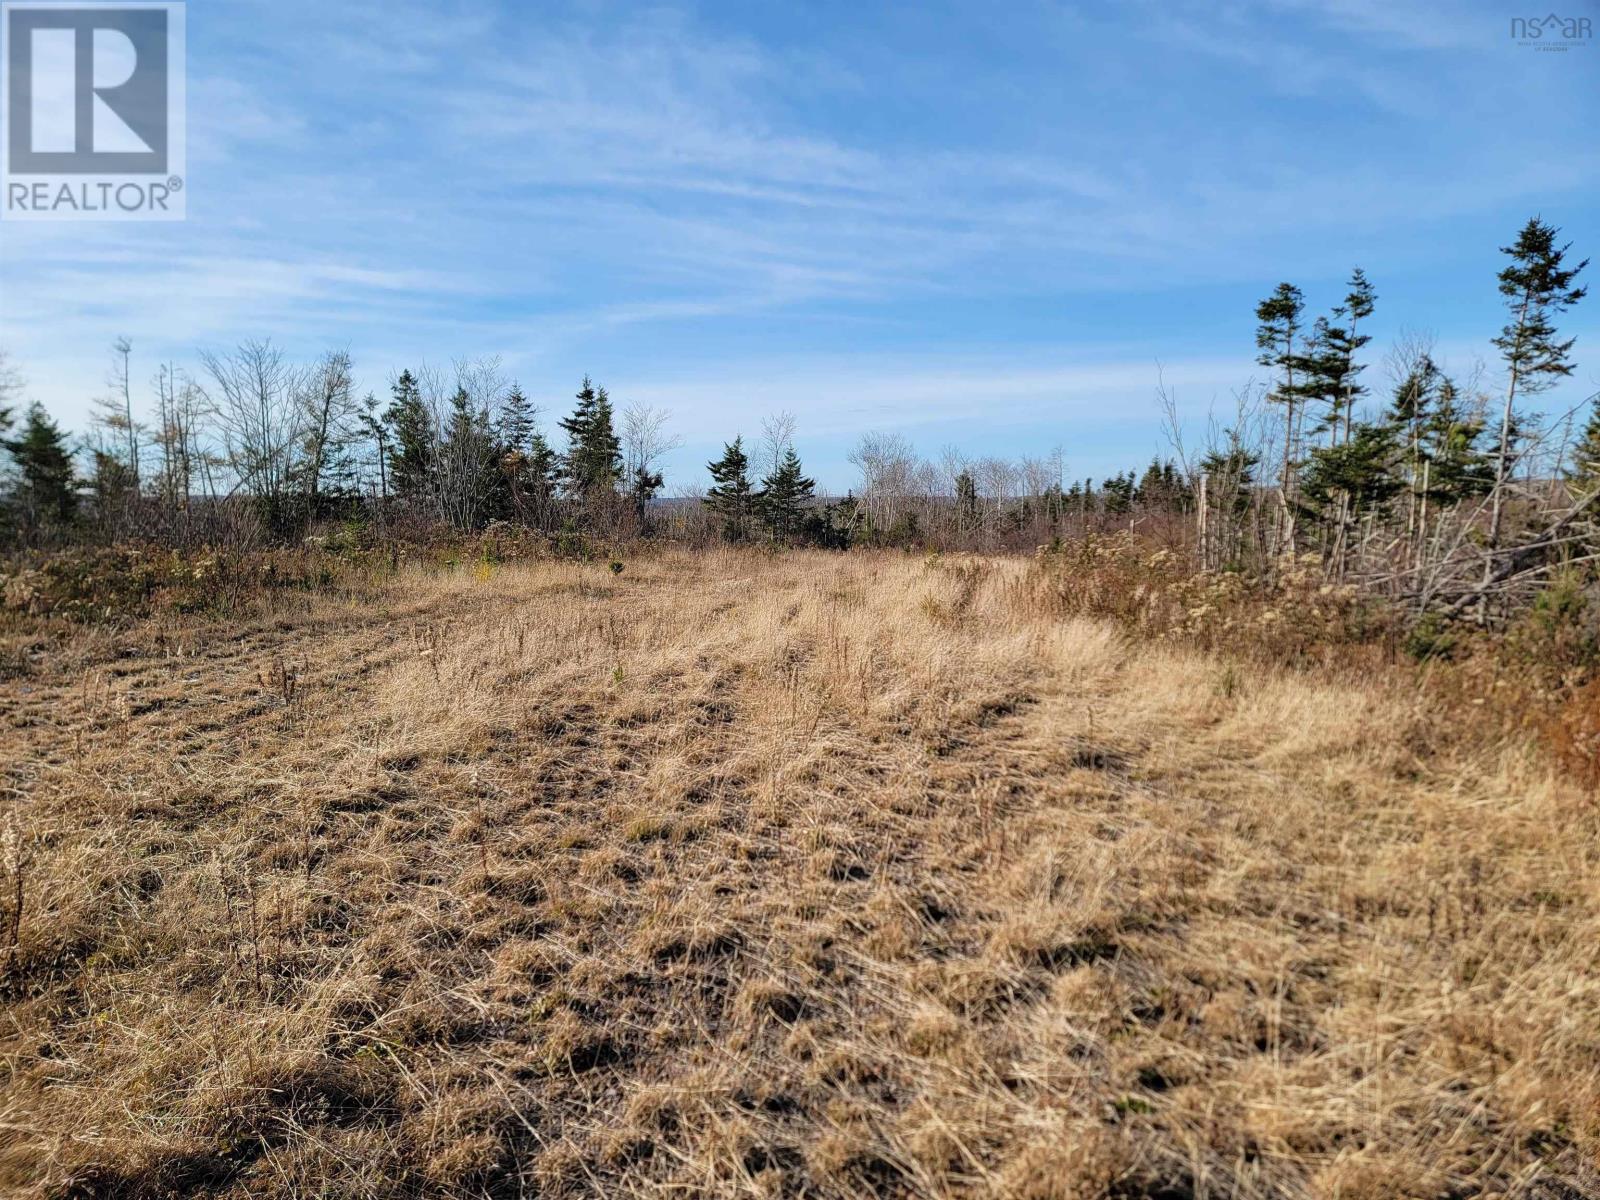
[801, 876]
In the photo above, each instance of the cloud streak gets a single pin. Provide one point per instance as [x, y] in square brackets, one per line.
[644, 192]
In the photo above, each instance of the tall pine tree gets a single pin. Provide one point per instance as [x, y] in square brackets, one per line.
[517, 417]
[469, 483]
[1537, 286]
[1343, 342]
[592, 465]
[785, 493]
[1458, 468]
[967, 499]
[411, 441]
[1277, 330]
[1329, 374]
[46, 494]
[732, 497]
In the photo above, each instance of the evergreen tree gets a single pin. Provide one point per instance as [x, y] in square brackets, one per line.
[1329, 375]
[371, 424]
[967, 499]
[45, 493]
[1278, 327]
[1343, 341]
[834, 526]
[1228, 474]
[1326, 369]
[642, 489]
[1054, 502]
[517, 417]
[329, 417]
[785, 493]
[1231, 474]
[1410, 413]
[1584, 474]
[411, 440]
[1160, 487]
[731, 496]
[1118, 492]
[1458, 467]
[528, 463]
[592, 465]
[1537, 286]
[536, 473]
[1356, 475]
[115, 488]
[1414, 399]
[469, 484]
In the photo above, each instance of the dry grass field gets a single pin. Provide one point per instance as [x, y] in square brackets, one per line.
[807, 875]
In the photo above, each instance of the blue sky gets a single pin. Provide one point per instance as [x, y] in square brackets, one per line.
[967, 223]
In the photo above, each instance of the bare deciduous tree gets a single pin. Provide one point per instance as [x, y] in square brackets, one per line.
[114, 411]
[645, 441]
[645, 438]
[259, 415]
[328, 411]
[886, 462]
[777, 436]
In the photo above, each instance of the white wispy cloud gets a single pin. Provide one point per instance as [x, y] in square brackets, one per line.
[466, 178]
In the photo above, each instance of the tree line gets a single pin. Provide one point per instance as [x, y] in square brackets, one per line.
[259, 448]
[1430, 488]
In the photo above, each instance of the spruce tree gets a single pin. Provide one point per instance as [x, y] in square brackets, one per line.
[1357, 472]
[1343, 342]
[642, 489]
[1118, 492]
[967, 499]
[411, 440]
[731, 496]
[1409, 415]
[470, 485]
[10, 385]
[45, 491]
[1232, 474]
[1054, 502]
[592, 465]
[115, 488]
[1329, 376]
[1277, 331]
[785, 493]
[517, 418]
[529, 465]
[1537, 286]
[371, 424]
[1584, 474]
[1458, 468]
[1228, 480]
[1413, 401]
[1161, 488]
[537, 480]
[543, 464]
